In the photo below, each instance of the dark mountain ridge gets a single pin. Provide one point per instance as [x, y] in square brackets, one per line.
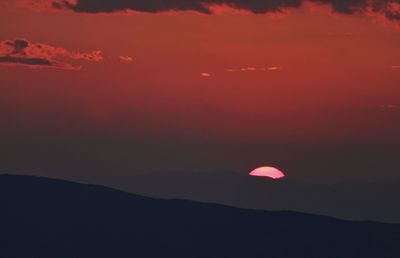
[376, 201]
[45, 218]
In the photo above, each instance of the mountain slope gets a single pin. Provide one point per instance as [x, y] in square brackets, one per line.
[376, 201]
[53, 218]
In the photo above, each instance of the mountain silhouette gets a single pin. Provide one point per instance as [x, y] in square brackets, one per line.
[48, 218]
[376, 201]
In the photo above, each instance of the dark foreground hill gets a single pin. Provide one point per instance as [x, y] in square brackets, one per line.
[377, 201]
[47, 218]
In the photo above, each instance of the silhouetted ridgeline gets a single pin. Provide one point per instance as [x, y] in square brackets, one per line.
[47, 218]
[377, 201]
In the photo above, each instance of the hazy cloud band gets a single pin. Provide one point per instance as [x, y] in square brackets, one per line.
[23, 52]
[389, 8]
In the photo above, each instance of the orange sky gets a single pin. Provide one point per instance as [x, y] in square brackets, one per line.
[308, 77]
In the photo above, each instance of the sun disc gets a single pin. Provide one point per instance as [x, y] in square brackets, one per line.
[270, 172]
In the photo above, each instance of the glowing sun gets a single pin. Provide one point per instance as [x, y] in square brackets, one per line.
[270, 172]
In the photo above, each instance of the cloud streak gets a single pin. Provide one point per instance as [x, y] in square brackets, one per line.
[389, 8]
[254, 69]
[22, 52]
[127, 59]
[389, 106]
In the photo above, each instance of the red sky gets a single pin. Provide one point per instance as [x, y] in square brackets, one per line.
[308, 77]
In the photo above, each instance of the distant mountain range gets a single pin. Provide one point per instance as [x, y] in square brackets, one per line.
[377, 201]
[48, 218]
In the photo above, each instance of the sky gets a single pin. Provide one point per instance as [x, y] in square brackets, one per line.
[128, 87]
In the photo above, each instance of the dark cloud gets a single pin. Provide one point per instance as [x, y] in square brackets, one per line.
[23, 60]
[389, 8]
[19, 45]
[22, 52]
[153, 6]
[346, 6]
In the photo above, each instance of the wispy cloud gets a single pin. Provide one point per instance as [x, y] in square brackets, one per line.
[38, 55]
[389, 106]
[390, 9]
[254, 69]
[127, 59]
[274, 68]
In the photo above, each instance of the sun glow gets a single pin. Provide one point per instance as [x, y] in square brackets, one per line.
[270, 172]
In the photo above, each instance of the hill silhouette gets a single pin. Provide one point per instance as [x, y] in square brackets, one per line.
[42, 217]
[376, 201]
